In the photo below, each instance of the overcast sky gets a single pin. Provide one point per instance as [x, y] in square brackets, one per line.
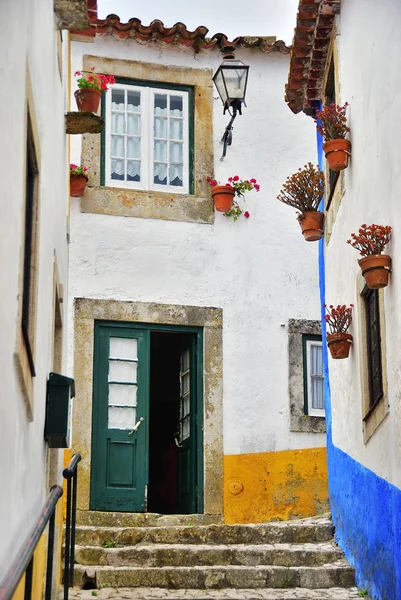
[232, 17]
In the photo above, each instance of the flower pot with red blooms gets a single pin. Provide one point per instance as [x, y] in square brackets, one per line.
[304, 191]
[371, 241]
[224, 196]
[311, 225]
[90, 89]
[332, 125]
[78, 180]
[338, 319]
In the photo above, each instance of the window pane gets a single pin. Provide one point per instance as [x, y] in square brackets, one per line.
[317, 393]
[122, 394]
[134, 124]
[185, 428]
[117, 123]
[117, 99]
[176, 129]
[122, 371]
[175, 175]
[160, 150]
[117, 146]
[123, 348]
[160, 127]
[133, 147]
[117, 169]
[160, 174]
[176, 109]
[134, 101]
[176, 152]
[185, 361]
[160, 104]
[185, 384]
[133, 170]
[316, 362]
[186, 405]
[121, 418]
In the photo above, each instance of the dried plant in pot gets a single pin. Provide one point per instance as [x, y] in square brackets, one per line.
[338, 319]
[78, 180]
[333, 127]
[90, 88]
[371, 241]
[224, 196]
[304, 191]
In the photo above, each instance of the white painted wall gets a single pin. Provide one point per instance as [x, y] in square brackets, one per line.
[28, 45]
[260, 270]
[370, 80]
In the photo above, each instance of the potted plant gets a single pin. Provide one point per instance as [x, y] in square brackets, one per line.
[371, 241]
[333, 128]
[304, 190]
[90, 89]
[339, 319]
[224, 195]
[78, 180]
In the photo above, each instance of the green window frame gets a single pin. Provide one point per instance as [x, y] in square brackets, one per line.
[188, 135]
[308, 376]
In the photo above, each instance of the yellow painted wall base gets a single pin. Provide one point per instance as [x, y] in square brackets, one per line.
[282, 485]
[39, 565]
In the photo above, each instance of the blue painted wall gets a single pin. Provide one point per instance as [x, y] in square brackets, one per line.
[366, 509]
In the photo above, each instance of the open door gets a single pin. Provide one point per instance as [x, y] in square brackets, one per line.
[119, 469]
[186, 438]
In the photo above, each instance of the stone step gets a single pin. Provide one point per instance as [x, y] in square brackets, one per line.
[338, 574]
[223, 594]
[176, 555]
[96, 518]
[285, 532]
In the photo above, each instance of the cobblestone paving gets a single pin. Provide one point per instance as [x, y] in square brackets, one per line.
[227, 594]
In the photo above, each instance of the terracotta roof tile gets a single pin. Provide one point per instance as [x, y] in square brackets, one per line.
[315, 21]
[178, 34]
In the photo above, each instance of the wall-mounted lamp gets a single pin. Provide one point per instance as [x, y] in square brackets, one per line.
[231, 79]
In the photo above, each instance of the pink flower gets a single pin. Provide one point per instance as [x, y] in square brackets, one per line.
[246, 214]
[73, 166]
[257, 187]
[235, 178]
[77, 73]
[252, 180]
[213, 182]
[208, 179]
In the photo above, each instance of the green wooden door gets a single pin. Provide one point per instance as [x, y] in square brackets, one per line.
[187, 432]
[119, 468]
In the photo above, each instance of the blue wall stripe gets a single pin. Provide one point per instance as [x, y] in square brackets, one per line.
[366, 509]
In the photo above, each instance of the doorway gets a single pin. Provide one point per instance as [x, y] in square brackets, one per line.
[147, 446]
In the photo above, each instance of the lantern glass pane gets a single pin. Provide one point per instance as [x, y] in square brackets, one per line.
[235, 82]
[219, 82]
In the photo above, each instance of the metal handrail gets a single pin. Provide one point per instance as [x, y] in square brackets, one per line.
[23, 562]
[70, 473]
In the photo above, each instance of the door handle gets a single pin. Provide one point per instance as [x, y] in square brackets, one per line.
[136, 426]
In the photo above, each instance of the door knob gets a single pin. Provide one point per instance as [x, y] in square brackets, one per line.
[136, 426]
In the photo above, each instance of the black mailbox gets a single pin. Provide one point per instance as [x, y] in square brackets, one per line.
[60, 390]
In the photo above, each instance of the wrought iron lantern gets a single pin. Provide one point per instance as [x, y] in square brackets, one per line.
[231, 80]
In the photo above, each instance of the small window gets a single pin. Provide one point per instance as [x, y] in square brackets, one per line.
[147, 138]
[313, 377]
[373, 346]
[30, 250]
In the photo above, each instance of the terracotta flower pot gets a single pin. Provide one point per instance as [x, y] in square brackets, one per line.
[337, 153]
[88, 99]
[77, 185]
[223, 196]
[376, 269]
[312, 225]
[339, 344]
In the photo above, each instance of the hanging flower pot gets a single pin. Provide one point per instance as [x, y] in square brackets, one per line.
[376, 270]
[78, 180]
[337, 153]
[332, 125]
[371, 241]
[88, 99]
[77, 186]
[311, 225]
[339, 344]
[223, 196]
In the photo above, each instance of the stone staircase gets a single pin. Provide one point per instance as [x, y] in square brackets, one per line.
[161, 556]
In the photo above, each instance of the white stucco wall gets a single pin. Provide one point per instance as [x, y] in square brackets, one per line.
[370, 80]
[28, 47]
[260, 270]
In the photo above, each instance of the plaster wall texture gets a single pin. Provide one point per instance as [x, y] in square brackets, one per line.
[371, 84]
[260, 271]
[28, 50]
